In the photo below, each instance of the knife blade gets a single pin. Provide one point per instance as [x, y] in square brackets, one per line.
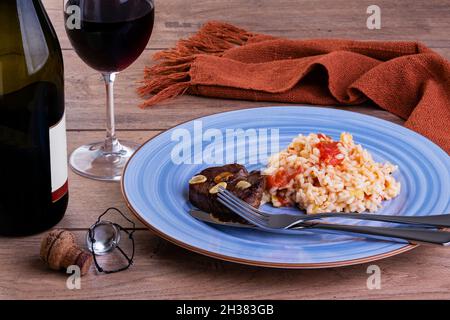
[206, 217]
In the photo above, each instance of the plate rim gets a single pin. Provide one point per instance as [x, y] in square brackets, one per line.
[286, 265]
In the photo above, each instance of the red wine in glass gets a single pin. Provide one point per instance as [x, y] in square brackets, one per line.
[112, 34]
[108, 35]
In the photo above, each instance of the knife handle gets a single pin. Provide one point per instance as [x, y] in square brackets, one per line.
[412, 235]
[439, 220]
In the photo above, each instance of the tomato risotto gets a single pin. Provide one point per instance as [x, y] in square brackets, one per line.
[319, 174]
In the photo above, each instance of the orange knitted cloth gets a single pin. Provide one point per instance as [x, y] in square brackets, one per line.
[221, 60]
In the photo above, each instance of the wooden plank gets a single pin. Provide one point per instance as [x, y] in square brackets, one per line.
[445, 52]
[164, 271]
[425, 21]
[85, 101]
[157, 273]
[89, 198]
[85, 93]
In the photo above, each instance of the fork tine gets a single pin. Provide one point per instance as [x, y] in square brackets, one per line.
[235, 204]
[238, 204]
[242, 203]
[243, 213]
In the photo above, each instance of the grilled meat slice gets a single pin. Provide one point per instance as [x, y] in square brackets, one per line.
[234, 176]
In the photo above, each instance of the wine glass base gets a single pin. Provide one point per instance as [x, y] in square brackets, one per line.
[93, 162]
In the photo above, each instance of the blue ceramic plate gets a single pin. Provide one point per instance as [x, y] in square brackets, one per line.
[155, 185]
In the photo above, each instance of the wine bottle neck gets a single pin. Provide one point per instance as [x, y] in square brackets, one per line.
[27, 43]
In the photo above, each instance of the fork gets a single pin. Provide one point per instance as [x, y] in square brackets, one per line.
[285, 221]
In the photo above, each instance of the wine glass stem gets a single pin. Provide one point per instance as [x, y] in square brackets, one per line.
[111, 143]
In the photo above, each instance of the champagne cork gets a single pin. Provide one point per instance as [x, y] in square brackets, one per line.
[59, 251]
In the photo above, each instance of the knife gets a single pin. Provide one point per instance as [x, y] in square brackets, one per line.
[206, 217]
[411, 235]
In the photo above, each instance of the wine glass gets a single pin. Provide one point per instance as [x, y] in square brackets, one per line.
[108, 35]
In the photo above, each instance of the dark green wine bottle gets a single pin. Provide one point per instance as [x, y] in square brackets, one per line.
[33, 151]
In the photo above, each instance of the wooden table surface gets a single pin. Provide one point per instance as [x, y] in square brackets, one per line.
[165, 271]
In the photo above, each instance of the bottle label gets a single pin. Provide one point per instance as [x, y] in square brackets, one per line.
[58, 159]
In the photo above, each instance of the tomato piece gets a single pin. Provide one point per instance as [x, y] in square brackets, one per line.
[284, 202]
[282, 177]
[329, 152]
[294, 173]
[323, 136]
[277, 180]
